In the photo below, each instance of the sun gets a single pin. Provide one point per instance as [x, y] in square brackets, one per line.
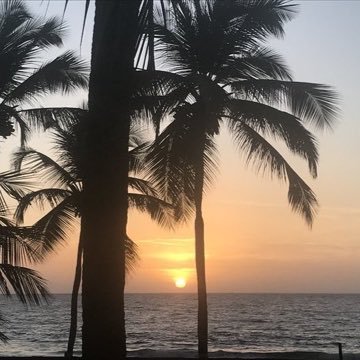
[180, 282]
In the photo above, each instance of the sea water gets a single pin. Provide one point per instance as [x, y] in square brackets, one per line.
[158, 323]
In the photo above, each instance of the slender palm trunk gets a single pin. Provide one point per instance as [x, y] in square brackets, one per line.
[74, 301]
[151, 39]
[104, 206]
[200, 259]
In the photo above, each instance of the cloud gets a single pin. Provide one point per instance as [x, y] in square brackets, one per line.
[166, 242]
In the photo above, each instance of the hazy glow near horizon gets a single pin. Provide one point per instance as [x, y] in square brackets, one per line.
[254, 243]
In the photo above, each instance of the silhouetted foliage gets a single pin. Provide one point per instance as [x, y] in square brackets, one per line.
[63, 193]
[218, 72]
[22, 79]
[18, 248]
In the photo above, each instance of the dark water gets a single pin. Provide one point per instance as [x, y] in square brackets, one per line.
[167, 322]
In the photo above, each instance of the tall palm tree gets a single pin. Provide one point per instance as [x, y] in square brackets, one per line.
[17, 250]
[23, 78]
[65, 195]
[117, 40]
[105, 182]
[219, 72]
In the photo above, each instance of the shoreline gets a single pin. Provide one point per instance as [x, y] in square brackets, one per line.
[218, 355]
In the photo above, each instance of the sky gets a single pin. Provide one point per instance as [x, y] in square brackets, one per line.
[254, 242]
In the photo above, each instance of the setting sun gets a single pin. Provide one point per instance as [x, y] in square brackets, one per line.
[180, 282]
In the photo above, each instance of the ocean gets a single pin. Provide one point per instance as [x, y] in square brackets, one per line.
[158, 323]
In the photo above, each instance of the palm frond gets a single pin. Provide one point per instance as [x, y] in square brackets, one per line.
[142, 186]
[14, 184]
[4, 288]
[87, 3]
[45, 118]
[28, 285]
[159, 210]
[169, 166]
[232, 26]
[51, 197]
[157, 93]
[131, 255]
[211, 161]
[50, 170]
[65, 73]
[15, 9]
[280, 125]
[17, 246]
[315, 103]
[262, 63]
[265, 157]
[4, 220]
[137, 136]
[68, 146]
[256, 18]
[55, 225]
[174, 45]
[22, 47]
[136, 158]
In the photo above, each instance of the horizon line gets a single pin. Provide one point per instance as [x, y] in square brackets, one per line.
[227, 293]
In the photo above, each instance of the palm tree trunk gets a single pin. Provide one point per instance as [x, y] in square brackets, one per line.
[104, 206]
[151, 39]
[200, 260]
[74, 302]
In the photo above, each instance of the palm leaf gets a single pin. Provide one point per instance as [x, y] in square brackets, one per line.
[255, 18]
[261, 63]
[56, 223]
[51, 197]
[142, 186]
[280, 125]
[157, 92]
[45, 118]
[51, 171]
[131, 255]
[17, 246]
[28, 285]
[169, 166]
[87, 3]
[13, 184]
[159, 210]
[266, 158]
[21, 49]
[315, 103]
[136, 158]
[65, 73]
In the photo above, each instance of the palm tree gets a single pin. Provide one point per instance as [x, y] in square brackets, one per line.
[105, 182]
[23, 78]
[65, 196]
[117, 40]
[219, 72]
[16, 251]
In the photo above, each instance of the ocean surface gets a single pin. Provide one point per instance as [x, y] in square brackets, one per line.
[158, 323]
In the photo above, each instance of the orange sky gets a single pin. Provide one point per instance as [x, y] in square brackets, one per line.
[254, 243]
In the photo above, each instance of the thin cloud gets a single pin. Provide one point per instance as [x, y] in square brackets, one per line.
[166, 242]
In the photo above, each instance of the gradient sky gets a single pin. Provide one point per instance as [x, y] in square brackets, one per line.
[254, 243]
